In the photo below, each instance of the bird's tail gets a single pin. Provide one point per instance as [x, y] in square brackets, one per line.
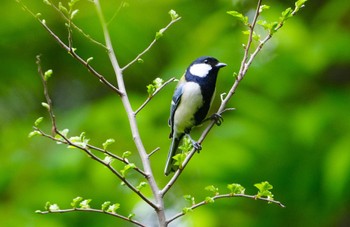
[170, 163]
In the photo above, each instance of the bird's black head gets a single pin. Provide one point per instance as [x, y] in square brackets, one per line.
[203, 67]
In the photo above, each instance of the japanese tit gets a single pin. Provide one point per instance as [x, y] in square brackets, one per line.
[190, 103]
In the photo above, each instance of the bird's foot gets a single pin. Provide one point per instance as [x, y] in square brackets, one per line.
[197, 146]
[217, 118]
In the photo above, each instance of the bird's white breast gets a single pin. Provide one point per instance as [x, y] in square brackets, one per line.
[191, 101]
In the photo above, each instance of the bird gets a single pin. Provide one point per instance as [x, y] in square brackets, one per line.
[190, 104]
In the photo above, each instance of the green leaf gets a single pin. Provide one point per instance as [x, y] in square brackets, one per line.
[89, 60]
[213, 189]
[38, 121]
[209, 199]
[186, 145]
[113, 208]
[72, 3]
[47, 205]
[108, 159]
[236, 188]
[151, 89]
[130, 216]
[299, 4]
[105, 205]
[256, 37]
[51, 207]
[81, 141]
[64, 132]
[107, 143]
[48, 74]
[246, 32]
[239, 16]
[140, 60]
[126, 154]
[141, 185]
[185, 210]
[34, 133]
[159, 34]
[74, 12]
[47, 2]
[263, 7]
[158, 82]
[190, 198]
[286, 14]
[44, 104]
[85, 204]
[179, 158]
[75, 202]
[62, 8]
[173, 14]
[264, 189]
[127, 168]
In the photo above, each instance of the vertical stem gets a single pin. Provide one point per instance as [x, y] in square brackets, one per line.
[132, 120]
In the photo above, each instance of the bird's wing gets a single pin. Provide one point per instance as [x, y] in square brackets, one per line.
[175, 103]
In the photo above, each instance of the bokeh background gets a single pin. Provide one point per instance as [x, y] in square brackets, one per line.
[291, 124]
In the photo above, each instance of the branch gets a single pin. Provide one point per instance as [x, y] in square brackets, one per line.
[151, 44]
[47, 96]
[75, 26]
[159, 204]
[154, 93]
[94, 211]
[67, 141]
[230, 195]
[71, 51]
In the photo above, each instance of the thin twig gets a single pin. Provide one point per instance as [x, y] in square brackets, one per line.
[71, 23]
[124, 160]
[194, 206]
[150, 45]
[116, 12]
[72, 52]
[154, 93]
[95, 211]
[47, 96]
[154, 151]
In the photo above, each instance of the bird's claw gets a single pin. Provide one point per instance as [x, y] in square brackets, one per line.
[218, 119]
[196, 146]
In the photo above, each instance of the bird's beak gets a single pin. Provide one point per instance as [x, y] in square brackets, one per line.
[220, 65]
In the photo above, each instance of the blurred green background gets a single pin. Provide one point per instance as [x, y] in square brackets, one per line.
[291, 124]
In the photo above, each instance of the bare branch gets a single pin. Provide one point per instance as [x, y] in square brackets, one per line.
[226, 196]
[150, 45]
[94, 211]
[47, 96]
[154, 93]
[72, 52]
[71, 23]
[154, 151]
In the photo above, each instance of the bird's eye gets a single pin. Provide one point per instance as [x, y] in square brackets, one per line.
[206, 61]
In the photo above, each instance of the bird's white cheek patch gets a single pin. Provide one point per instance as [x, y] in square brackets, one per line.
[200, 70]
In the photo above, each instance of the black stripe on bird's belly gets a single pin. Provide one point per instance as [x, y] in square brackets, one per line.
[207, 93]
